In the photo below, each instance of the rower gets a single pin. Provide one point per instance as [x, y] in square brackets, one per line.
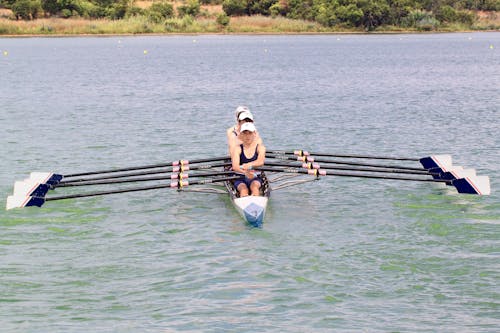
[241, 163]
[243, 115]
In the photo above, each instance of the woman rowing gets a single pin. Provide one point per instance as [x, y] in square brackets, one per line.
[243, 115]
[248, 155]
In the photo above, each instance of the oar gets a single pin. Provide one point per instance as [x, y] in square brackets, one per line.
[451, 173]
[310, 165]
[36, 186]
[471, 185]
[144, 179]
[432, 161]
[25, 201]
[144, 173]
[306, 153]
[312, 159]
[151, 166]
[321, 172]
[54, 178]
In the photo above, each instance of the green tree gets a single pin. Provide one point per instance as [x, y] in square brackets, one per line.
[235, 7]
[350, 15]
[51, 7]
[261, 7]
[301, 9]
[27, 9]
[223, 19]
[375, 13]
[446, 14]
[192, 7]
[160, 11]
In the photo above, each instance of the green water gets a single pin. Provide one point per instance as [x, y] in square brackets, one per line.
[336, 255]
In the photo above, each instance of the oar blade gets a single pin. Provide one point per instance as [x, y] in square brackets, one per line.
[436, 161]
[479, 185]
[28, 188]
[46, 177]
[19, 201]
[453, 173]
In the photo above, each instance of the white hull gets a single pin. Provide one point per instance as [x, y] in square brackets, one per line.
[252, 209]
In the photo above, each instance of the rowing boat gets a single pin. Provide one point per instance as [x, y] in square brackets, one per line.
[251, 208]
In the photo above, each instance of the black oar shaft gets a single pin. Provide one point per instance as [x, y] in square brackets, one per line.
[142, 173]
[371, 169]
[138, 179]
[143, 167]
[287, 158]
[358, 175]
[374, 157]
[136, 189]
[386, 177]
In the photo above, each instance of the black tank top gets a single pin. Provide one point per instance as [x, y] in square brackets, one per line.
[244, 159]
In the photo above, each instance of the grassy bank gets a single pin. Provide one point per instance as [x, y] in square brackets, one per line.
[205, 24]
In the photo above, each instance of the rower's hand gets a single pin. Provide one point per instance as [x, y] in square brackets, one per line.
[247, 166]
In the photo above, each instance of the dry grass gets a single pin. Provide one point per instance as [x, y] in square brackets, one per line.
[262, 24]
[488, 20]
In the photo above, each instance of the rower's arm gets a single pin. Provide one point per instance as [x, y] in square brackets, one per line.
[231, 140]
[235, 159]
[259, 139]
[261, 156]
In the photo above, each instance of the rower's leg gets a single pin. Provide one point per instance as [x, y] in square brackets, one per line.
[243, 190]
[255, 188]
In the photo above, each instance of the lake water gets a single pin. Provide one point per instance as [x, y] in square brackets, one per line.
[337, 255]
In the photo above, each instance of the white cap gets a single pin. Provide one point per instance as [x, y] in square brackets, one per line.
[241, 109]
[248, 127]
[245, 115]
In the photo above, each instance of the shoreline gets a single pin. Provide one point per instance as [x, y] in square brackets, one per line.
[257, 33]
[251, 25]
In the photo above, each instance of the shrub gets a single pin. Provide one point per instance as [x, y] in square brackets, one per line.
[278, 9]
[27, 9]
[134, 11]
[192, 7]
[160, 11]
[87, 9]
[260, 7]
[51, 6]
[446, 14]
[235, 7]
[466, 17]
[325, 15]
[350, 14]
[427, 24]
[223, 19]
[420, 19]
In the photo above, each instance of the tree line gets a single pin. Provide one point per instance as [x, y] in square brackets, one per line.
[364, 14]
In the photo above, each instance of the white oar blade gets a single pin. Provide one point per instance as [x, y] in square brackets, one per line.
[436, 161]
[479, 185]
[46, 177]
[28, 188]
[457, 173]
[18, 201]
